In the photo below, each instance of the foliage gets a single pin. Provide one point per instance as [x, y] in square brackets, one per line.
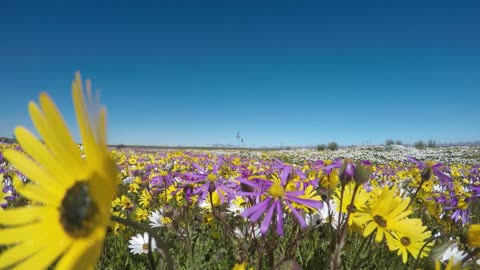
[333, 146]
[321, 147]
[420, 144]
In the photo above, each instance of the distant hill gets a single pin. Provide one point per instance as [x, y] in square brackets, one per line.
[474, 143]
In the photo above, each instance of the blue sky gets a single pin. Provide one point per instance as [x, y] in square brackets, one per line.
[280, 72]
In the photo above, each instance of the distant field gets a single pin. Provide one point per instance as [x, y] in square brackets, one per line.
[240, 208]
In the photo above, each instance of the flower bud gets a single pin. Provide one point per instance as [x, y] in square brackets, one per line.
[362, 173]
[168, 211]
[211, 187]
[290, 265]
[347, 171]
[239, 258]
[221, 253]
[245, 187]
[426, 173]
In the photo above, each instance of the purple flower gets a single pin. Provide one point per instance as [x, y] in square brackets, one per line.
[334, 165]
[212, 181]
[422, 165]
[275, 199]
[163, 179]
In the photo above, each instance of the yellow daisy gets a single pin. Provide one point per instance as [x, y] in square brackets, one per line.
[125, 202]
[73, 194]
[473, 235]
[240, 266]
[145, 198]
[361, 199]
[411, 240]
[309, 194]
[383, 214]
[141, 214]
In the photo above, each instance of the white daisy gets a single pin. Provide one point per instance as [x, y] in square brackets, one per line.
[314, 220]
[139, 244]
[244, 231]
[156, 219]
[323, 216]
[235, 208]
[204, 205]
[128, 180]
[453, 251]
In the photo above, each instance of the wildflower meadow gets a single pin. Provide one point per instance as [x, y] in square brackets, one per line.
[84, 206]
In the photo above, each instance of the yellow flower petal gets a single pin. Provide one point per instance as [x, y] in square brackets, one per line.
[102, 127]
[83, 119]
[24, 215]
[45, 256]
[19, 234]
[23, 250]
[55, 120]
[33, 171]
[35, 193]
[80, 256]
[59, 128]
[38, 151]
[54, 142]
[369, 229]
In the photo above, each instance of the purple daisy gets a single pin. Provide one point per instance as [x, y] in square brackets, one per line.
[275, 197]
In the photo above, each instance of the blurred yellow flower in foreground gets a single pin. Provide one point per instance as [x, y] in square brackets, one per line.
[74, 193]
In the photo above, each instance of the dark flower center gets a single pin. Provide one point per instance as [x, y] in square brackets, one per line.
[380, 221]
[78, 210]
[405, 241]
[351, 208]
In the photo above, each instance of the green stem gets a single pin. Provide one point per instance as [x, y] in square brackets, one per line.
[364, 241]
[151, 260]
[340, 211]
[189, 241]
[471, 255]
[161, 244]
[423, 247]
[415, 194]
[342, 231]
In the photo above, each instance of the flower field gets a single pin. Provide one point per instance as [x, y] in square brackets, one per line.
[356, 208]
[66, 205]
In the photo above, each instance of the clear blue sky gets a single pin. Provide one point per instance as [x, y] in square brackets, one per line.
[280, 72]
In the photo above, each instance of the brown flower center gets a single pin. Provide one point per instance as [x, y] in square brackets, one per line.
[78, 210]
[380, 221]
[405, 241]
[351, 208]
